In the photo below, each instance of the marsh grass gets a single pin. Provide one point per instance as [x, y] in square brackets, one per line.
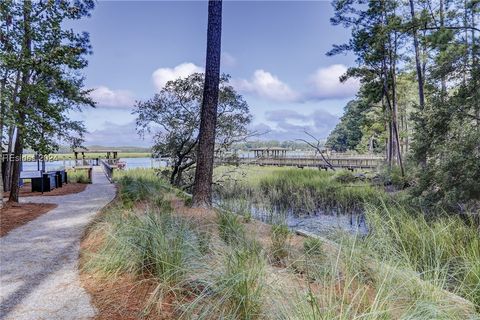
[302, 191]
[224, 273]
[78, 176]
[444, 251]
[279, 237]
[230, 228]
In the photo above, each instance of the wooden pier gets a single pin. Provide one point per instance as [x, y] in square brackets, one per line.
[337, 161]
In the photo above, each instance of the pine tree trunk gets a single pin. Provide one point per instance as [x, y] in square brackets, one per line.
[202, 189]
[420, 80]
[17, 166]
[1, 185]
[8, 165]
[421, 95]
[23, 103]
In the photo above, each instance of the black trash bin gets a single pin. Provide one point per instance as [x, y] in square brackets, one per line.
[59, 177]
[46, 183]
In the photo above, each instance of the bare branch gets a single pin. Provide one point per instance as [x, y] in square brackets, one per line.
[317, 148]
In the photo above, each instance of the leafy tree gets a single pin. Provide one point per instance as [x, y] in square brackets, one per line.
[348, 132]
[202, 190]
[376, 41]
[41, 80]
[175, 113]
[419, 60]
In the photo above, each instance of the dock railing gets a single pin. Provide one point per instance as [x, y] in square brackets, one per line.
[337, 161]
[108, 169]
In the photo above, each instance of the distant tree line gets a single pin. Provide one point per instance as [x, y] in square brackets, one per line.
[419, 102]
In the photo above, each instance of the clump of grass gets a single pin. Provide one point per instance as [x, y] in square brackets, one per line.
[138, 185]
[445, 251]
[155, 243]
[230, 228]
[236, 289]
[204, 239]
[313, 247]
[279, 236]
[345, 176]
[242, 282]
[78, 176]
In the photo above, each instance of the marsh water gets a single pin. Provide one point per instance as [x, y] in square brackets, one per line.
[319, 222]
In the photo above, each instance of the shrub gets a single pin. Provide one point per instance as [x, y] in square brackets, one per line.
[78, 176]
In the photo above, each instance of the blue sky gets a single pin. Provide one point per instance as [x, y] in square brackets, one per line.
[274, 52]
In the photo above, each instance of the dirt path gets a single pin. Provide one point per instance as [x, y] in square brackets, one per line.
[39, 260]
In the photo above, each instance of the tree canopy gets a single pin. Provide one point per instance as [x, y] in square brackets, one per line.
[40, 80]
[174, 114]
[419, 63]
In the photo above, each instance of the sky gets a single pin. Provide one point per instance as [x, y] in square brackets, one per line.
[274, 51]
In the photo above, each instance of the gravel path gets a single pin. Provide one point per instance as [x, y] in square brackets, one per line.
[39, 260]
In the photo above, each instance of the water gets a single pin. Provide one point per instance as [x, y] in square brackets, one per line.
[319, 222]
[132, 163]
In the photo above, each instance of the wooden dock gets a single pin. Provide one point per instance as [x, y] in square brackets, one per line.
[337, 161]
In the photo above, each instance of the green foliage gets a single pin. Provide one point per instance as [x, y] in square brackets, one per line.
[50, 58]
[347, 133]
[452, 182]
[428, 97]
[176, 109]
[279, 237]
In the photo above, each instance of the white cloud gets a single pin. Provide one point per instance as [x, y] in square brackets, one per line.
[267, 86]
[109, 98]
[162, 75]
[114, 134]
[325, 83]
[228, 60]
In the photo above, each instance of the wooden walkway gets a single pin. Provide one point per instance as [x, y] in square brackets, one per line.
[350, 162]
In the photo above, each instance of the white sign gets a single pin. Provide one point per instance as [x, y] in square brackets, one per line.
[30, 174]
